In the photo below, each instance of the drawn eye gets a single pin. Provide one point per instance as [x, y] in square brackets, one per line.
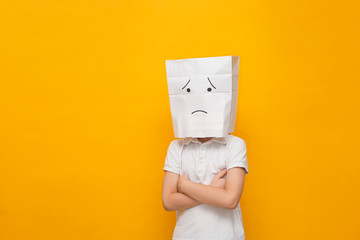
[209, 89]
[188, 89]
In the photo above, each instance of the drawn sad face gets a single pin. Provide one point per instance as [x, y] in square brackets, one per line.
[201, 105]
[209, 89]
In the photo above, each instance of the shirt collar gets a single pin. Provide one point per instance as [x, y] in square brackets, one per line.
[222, 140]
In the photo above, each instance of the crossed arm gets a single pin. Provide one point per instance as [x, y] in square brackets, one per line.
[180, 193]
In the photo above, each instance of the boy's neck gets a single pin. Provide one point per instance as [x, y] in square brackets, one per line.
[204, 139]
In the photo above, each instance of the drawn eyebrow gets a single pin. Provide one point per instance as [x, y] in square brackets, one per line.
[186, 84]
[211, 83]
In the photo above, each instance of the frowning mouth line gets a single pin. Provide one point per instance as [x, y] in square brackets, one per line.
[198, 111]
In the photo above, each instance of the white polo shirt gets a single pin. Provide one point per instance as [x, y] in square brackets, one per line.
[201, 161]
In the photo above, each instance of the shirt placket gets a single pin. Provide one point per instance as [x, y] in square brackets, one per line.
[202, 161]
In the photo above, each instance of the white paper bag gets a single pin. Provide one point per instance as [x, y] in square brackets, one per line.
[203, 95]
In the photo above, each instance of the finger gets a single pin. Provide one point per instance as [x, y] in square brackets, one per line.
[185, 176]
[221, 173]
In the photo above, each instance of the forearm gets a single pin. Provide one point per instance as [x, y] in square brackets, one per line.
[179, 201]
[211, 195]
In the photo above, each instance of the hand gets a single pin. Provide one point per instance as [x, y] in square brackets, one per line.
[218, 180]
[183, 179]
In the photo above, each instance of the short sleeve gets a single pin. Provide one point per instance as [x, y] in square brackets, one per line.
[236, 154]
[172, 160]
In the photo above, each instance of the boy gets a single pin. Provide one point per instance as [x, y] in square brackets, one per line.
[205, 169]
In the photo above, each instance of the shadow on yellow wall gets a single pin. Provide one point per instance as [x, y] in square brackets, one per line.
[85, 116]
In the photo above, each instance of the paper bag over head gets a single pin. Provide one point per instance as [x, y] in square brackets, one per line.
[203, 95]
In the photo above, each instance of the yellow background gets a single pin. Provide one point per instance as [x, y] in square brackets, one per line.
[85, 117]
